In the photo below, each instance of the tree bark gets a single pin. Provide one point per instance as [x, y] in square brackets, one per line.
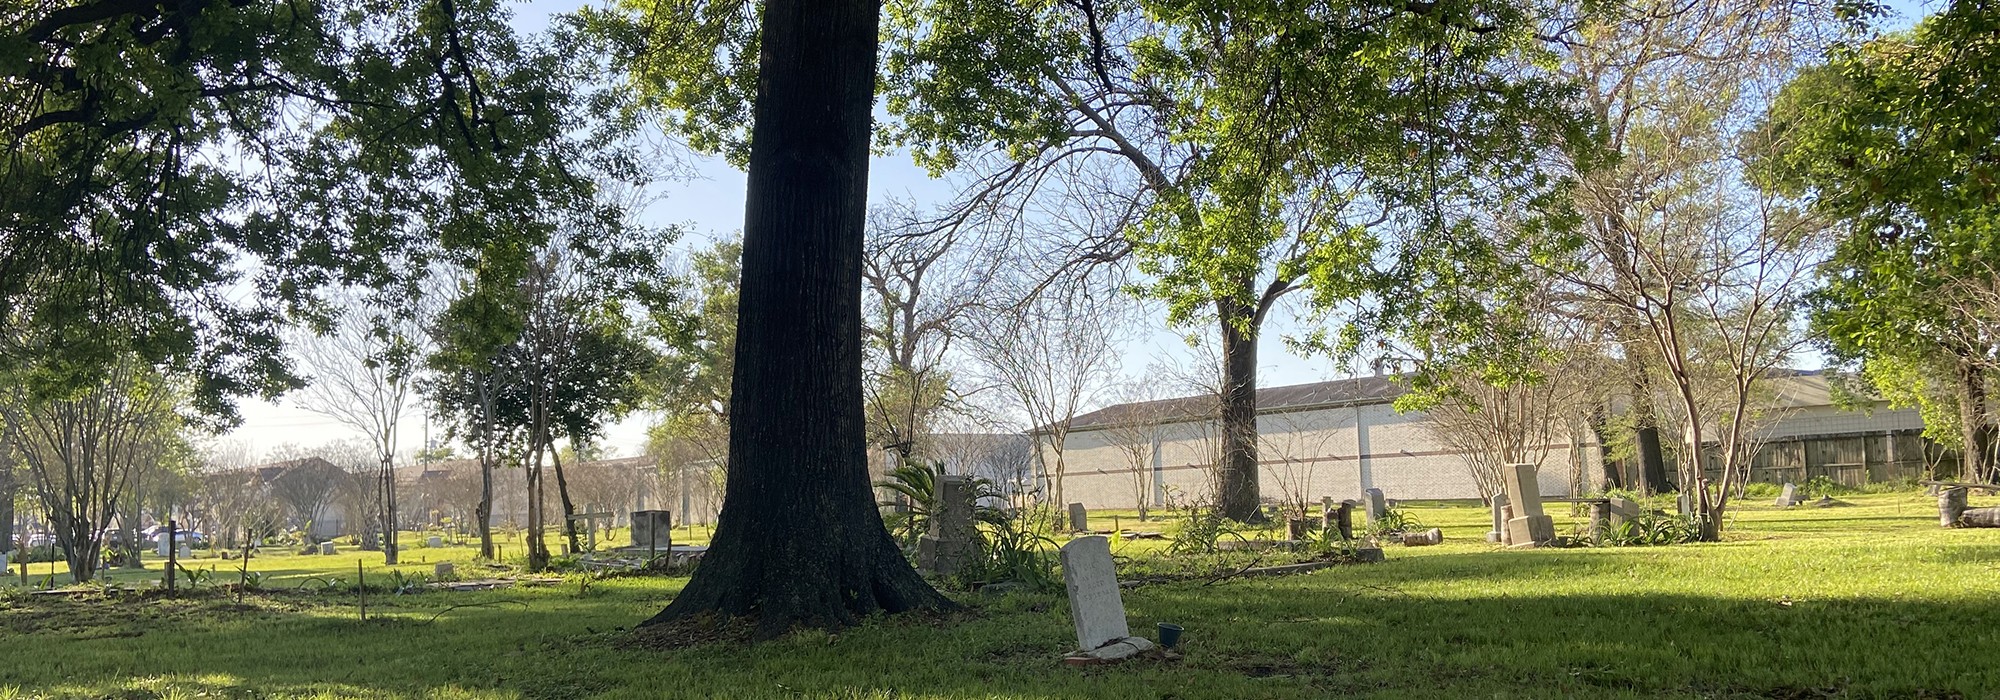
[1236, 487]
[1646, 432]
[569, 507]
[799, 540]
[1976, 429]
[8, 487]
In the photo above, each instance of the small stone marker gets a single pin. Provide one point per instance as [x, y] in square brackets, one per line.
[164, 544]
[1789, 496]
[1079, 518]
[327, 549]
[1377, 505]
[1529, 526]
[952, 543]
[443, 571]
[1499, 518]
[1343, 518]
[1952, 504]
[1095, 606]
[1423, 539]
[434, 542]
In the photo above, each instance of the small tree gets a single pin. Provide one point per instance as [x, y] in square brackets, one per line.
[83, 448]
[362, 372]
[1053, 354]
[1135, 433]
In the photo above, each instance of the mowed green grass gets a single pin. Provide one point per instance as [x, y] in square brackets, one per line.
[1871, 600]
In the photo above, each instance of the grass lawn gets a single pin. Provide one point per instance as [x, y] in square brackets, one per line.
[1871, 600]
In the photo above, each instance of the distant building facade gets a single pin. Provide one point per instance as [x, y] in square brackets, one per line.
[1338, 438]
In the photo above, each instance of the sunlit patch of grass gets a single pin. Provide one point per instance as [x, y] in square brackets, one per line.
[1870, 600]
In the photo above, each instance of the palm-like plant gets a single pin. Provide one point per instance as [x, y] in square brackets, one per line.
[916, 482]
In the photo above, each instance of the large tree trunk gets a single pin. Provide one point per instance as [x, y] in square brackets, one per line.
[1976, 430]
[1236, 487]
[799, 540]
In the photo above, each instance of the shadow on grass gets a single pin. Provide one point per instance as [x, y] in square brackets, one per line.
[1318, 636]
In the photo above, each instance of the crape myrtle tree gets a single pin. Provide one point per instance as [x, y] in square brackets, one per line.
[361, 371]
[82, 450]
[922, 282]
[1053, 356]
[1896, 137]
[547, 349]
[160, 158]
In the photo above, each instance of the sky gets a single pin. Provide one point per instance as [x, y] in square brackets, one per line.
[709, 206]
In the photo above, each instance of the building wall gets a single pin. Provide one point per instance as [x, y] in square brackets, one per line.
[1305, 454]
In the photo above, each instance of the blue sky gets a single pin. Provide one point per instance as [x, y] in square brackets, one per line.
[711, 205]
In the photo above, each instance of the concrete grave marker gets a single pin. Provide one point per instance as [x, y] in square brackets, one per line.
[1377, 505]
[1789, 496]
[327, 548]
[434, 542]
[1423, 539]
[953, 540]
[1499, 530]
[1095, 606]
[653, 531]
[1529, 526]
[1079, 518]
[444, 571]
[1343, 518]
[1623, 510]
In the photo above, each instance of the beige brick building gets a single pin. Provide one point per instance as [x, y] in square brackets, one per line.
[1340, 437]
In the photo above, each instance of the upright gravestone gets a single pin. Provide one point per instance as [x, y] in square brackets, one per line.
[1499, 518]
[1623, 510]
[164, 544]
[1377, 505]
[1788, 496]
[1343, 519]
[434, 542]
[1094, 603]
[653, 531]
[953, 540]
[444, 571]
[327, 548]
[1529, 527]
[1079, 518]
[1327, 521]
[1952, 504]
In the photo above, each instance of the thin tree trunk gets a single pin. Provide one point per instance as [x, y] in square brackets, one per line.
[1976, 430]
[799, 540]
[388, 508]
[1236, 487]
[569, 508]
[484, 513]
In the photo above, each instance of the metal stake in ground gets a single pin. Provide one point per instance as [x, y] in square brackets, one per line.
[243, 579]
[361, 588]
[173, 548]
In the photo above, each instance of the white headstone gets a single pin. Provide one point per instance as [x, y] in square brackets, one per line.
[327, 548]
[1377, 505]
[1790, 495]
[1499, 518]
[163, 544]
[1094, 603]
